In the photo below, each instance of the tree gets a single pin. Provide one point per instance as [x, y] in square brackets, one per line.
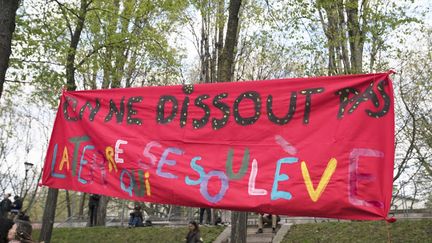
[7, 27]
[91, 44]
[51, 201]
[225, 71]
[120, 37]
[413, 169]
[217, 63]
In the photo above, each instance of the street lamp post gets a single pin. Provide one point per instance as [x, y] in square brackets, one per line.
[27, 167]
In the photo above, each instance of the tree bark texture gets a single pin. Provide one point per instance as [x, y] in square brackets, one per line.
[50, 208]
[226, 60]
[8, 10]
[68, 204]
[238, 227]
[355, 34]
[81, 205]
[225, 74]
[344, 30]
[49, 215]
[101, 211]
[73, 45]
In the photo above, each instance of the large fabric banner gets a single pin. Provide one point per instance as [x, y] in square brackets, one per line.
[321, 147]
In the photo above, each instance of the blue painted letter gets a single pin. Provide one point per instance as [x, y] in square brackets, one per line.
[83, 162]
[198, 169]
[53, 174]
[163, 160]
[281, 177]
[131, 182]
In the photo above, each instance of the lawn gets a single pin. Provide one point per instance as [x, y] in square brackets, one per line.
[362, 231]
[118, 234]
[358, 231]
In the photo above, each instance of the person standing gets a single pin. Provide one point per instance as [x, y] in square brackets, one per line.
[194, 234]
[5, 206]
[16, 206]
[93, 206]
[202, 210]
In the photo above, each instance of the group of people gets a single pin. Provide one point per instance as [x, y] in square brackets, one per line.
[15, 226]
[136, 218]
[222, 216]
[194, 234]
[9, 209]
[263, 219]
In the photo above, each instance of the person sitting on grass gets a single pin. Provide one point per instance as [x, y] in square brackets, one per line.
[266, 219]
[136, 218]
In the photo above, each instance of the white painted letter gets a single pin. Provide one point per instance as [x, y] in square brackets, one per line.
[251, 188]
[118, 151]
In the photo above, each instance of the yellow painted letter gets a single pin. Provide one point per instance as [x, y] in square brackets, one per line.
[65, 159]
[315, 194]
[109, 154]
[147, 183]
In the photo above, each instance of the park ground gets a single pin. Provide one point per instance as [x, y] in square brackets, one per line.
[356, 231]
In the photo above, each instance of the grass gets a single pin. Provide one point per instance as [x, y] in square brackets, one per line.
[117, 234]
[358, 231]
[362, 231]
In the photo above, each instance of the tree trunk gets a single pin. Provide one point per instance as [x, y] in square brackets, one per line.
[50, 207]
[75, 38]
[342, 38]
[238, 227]
[8, 10]
[355, 34]
[226, 60]
[342, 32]
[225, 74]
[81, 206]
[101, 211]
[49, 215]
[68, 205]
[204, 69]
[332, 39]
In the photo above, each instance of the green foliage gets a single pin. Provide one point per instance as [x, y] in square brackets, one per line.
[141, 234]
[320, 28]
[378, 231]
[38, 207]
[122, 42]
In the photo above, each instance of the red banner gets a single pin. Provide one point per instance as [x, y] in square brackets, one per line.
[321, 147]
